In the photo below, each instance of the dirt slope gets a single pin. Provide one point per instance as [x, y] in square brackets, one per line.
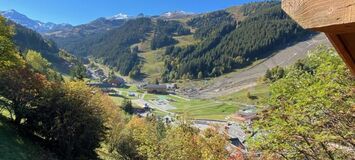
[237, 81]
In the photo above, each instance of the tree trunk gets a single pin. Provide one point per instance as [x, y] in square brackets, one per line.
[17, 112]
[18, 119]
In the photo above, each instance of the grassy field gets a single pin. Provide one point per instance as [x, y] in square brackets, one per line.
[153, 64]
[15, 147]
[217, 108]
[205, 109]
[258, 93]
[198, 108]
[194, 108]
[184, 41]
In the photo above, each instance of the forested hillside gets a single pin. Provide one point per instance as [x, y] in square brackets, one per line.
[225, 41]
[72, 38]
[164, 32]
[229, 44]
[27, 39]
[114, 49]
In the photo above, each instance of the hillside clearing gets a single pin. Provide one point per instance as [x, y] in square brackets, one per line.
[153, 64]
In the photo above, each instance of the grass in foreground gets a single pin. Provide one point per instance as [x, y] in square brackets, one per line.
[16, 147]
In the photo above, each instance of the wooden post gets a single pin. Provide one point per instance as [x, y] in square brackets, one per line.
[342, 43]
[336, 18]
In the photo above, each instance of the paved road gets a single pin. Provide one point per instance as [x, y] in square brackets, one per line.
[142, 102]
[237, 81]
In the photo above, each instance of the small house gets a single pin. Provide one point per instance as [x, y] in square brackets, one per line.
[167, 119]
[171, 86]
[131, 94]
[117, 81]
[236, 135]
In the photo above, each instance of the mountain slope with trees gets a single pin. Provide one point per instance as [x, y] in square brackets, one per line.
[114, 47]
[27, 41]
[228, 45]
[226, 41]
[72, 38]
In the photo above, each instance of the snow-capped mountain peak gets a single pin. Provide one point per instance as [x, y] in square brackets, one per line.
[9, 11]
[175, 14]
[30, 23]
[118, 16]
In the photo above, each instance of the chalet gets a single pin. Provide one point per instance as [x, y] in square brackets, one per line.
[236, 135]
[171, 86]
[156, 88]
[99, 72]
[116, 82]
[96, 74]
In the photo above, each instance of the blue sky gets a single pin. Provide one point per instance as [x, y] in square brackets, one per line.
[82, 11]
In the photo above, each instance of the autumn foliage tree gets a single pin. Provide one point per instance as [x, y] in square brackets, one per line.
[70, 118]
[41, 65]
[147, 139]
[8, 54]
[22, 88]
[73, 119]
[19, 86]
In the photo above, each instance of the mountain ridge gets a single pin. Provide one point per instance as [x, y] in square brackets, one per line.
[36, 25]
[224, 39]
[176, 14]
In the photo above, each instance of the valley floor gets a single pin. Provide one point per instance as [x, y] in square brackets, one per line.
[217, 98]
[219, 108]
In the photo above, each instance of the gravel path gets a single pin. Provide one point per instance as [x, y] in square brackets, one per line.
[237, 81]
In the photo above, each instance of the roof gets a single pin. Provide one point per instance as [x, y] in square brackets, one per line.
[167, 117]
[234, 131]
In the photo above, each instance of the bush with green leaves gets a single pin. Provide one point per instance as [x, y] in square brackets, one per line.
[310, 113]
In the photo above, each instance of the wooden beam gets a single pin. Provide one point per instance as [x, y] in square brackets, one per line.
[334, 16]
[344, 44]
